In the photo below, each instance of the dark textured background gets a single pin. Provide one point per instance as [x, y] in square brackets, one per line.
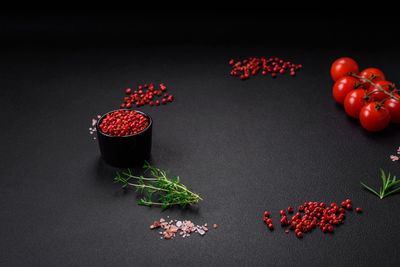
[244, 146]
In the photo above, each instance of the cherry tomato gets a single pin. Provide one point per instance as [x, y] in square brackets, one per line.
[394, 108]
[367, 73]
[342, 87]
[374, 118]
[379, 96]
[342, 66]
[354, 102]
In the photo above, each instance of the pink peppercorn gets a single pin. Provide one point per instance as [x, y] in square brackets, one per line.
[123, 122]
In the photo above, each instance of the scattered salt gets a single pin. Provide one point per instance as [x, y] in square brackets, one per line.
[183, 228]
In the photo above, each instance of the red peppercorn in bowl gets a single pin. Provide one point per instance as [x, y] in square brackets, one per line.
[124, 137]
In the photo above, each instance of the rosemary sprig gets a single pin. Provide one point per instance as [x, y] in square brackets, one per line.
[387, 183]
[170, 191]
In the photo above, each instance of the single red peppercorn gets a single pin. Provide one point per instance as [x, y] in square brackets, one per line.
[290, 209]
[128, 90]
[301, 208]
[282, 212]
[299, 234]
[349, 207]
[268, 221]
[266, 213]
[358, 209]
[273, 75]
[271, 226]
[157, 102]
[129, 105]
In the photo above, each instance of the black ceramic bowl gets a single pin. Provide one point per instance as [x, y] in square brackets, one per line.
[125, 151]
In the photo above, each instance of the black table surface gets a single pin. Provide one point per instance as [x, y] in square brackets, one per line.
[244, 146]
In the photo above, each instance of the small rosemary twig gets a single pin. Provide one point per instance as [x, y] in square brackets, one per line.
[387, 183]
[170, 191]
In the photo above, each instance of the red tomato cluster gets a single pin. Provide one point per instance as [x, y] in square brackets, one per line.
[366, 95]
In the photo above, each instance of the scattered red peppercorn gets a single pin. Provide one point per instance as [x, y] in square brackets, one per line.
[145, 96]
[266, 213]
[271, 226]
[315, 215]
[290, 209]
[252, 66]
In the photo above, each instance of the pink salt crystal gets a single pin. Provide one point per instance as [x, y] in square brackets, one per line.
[394, 158]
[215, 226]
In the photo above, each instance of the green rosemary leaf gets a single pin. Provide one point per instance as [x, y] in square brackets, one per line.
[370, 189]
[387, 183]
[393, 191]
[383, 176]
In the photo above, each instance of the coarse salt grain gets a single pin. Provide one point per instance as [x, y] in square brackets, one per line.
[92, 129]
[183, 228]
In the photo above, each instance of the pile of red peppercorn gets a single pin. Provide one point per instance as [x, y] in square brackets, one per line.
[315, 214]
[145, 94]
[123, 123]
[252, 66]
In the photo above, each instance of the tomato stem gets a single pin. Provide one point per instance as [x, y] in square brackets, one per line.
[390, 94]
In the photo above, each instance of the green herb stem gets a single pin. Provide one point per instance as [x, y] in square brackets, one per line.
[170, 191]
[387, 183]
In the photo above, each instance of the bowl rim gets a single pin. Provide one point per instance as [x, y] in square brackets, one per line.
[125, 136]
